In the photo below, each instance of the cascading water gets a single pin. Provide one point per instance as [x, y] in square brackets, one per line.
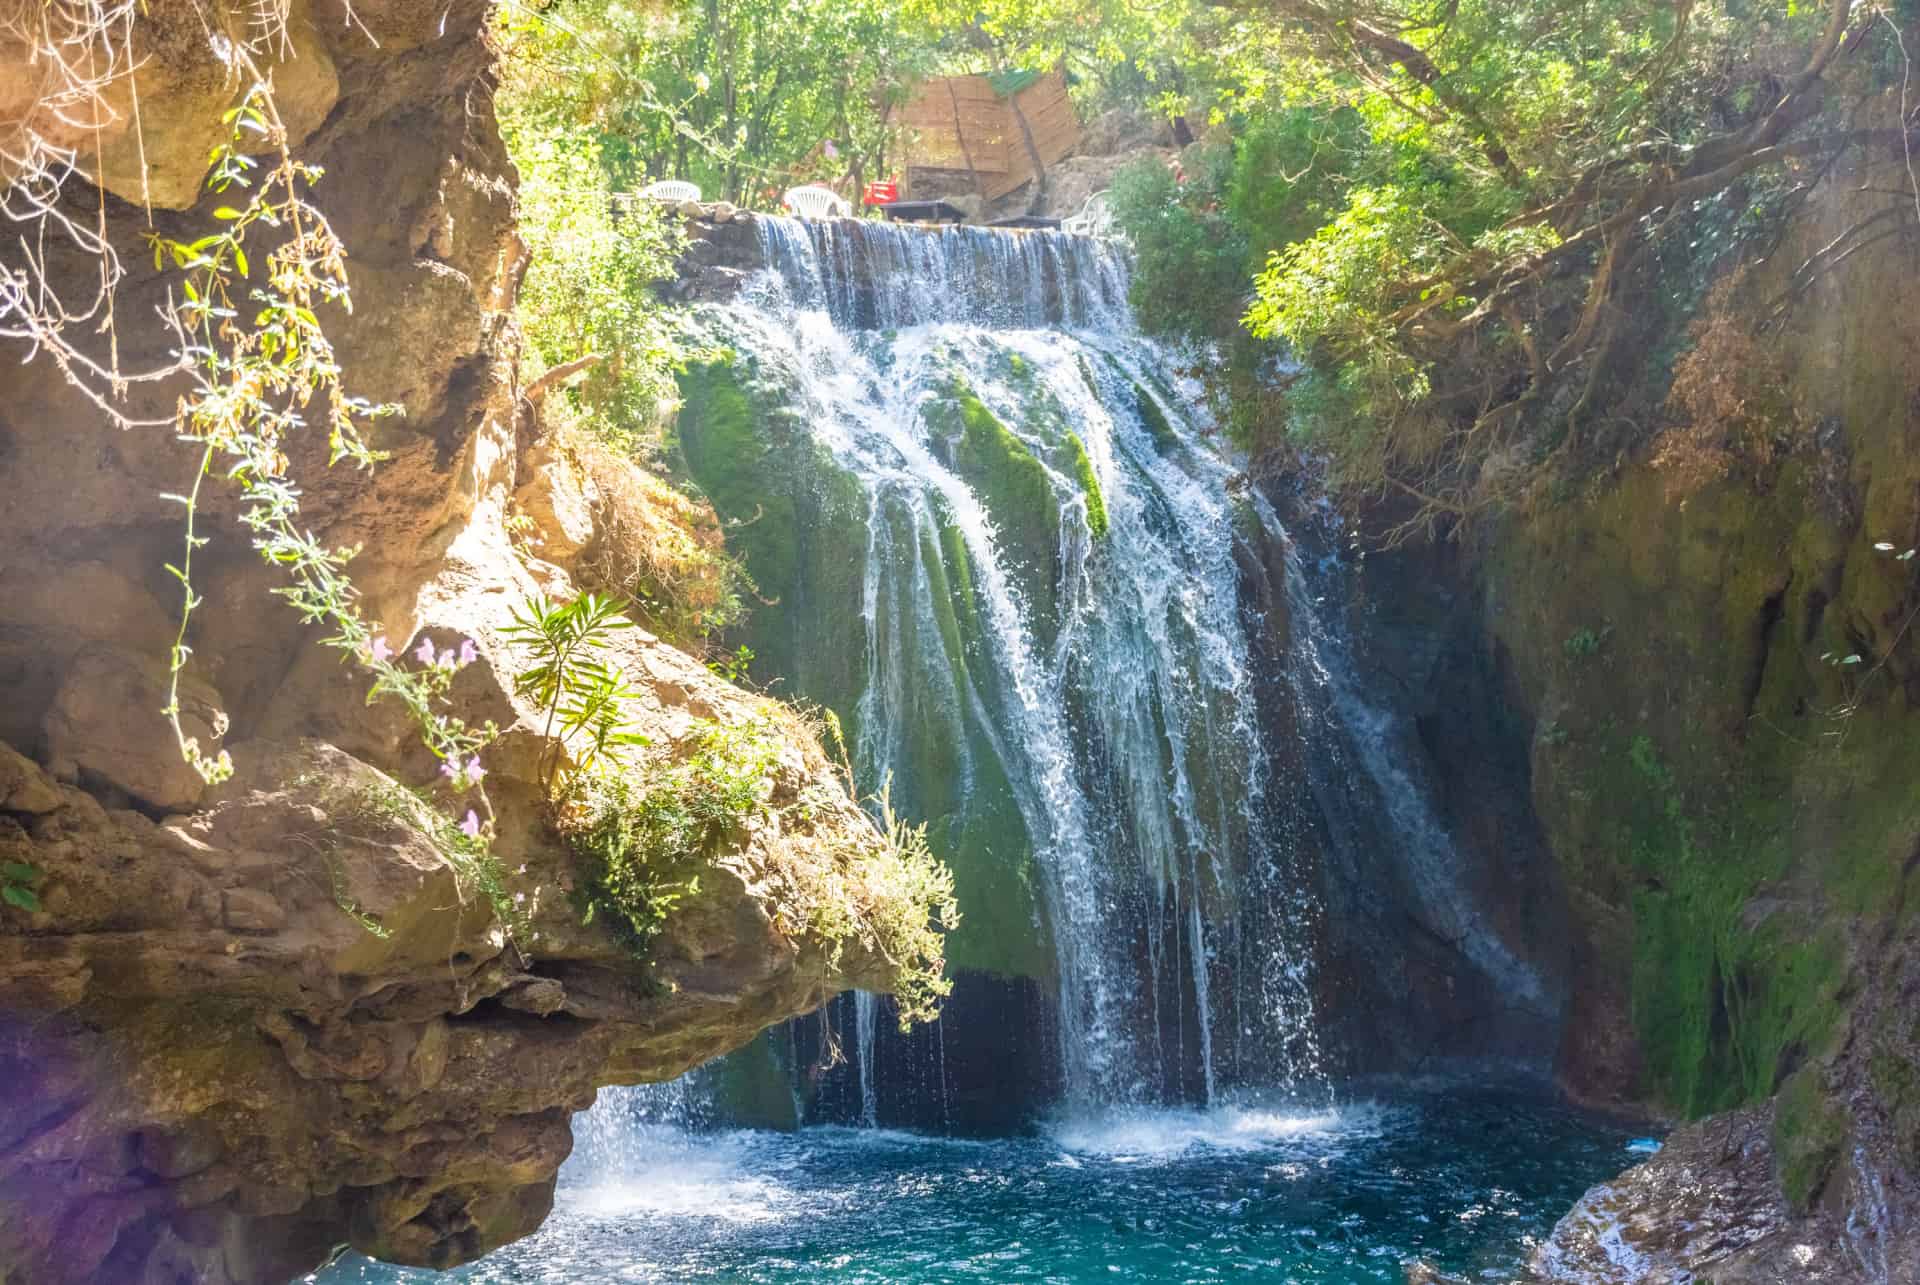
[865, 1033]
[1057, 649]
[1345, 726]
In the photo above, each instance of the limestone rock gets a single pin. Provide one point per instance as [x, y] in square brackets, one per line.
[144, 107]
[557, 500]
[280, 1017]
[102, 721]
[23, 787]
[249, 910]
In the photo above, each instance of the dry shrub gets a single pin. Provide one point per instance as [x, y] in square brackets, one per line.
[1732, 400]
[658, 546]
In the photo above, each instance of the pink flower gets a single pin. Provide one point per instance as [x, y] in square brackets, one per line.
[424, 652]
[474, 771]
[471, 826]
[468, 652]
[450, 768]
[378, 651]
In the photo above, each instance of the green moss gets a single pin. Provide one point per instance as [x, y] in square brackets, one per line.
[955, 782]
[1154, 418]
[1809, 1129]
[794, 517]
[1075, 452]
[958, 565]
[727, 453]
[1086, 375]
[1722, 999]
[1016, 489]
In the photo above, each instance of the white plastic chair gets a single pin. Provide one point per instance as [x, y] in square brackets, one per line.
[671, 189]
[815, 202]
[1094, 219]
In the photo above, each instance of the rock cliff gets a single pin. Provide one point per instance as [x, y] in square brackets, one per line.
[246, 1024]
[1709, 692]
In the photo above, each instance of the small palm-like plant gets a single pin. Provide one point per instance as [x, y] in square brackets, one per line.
[583, 696]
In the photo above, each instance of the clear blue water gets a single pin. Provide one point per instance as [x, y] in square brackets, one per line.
[1464, 1181]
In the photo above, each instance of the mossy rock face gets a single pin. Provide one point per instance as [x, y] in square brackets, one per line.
[1072, 457]
[794, 516]
[1725, 798]
[1809, 1130]
[1154, 418]
[948, 774]
[1017, 491]
[799, 521]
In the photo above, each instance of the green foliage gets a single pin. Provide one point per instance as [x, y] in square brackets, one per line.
[1584, 642]
[913, 908]
[1290, 173]
[17, 879]
[1444, 207]
[1190, 260]
[582, 696]
[1338, 288]
[733, 665]
[591, 275]
[643, 839]
[738, 96]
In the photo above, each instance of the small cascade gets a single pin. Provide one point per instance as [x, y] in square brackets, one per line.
[883, 276]
[866, 1006]
[1345, 727]
[1056, 640]
[631, 1129]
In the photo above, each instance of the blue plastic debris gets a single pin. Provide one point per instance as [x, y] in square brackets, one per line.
[1643, 1146]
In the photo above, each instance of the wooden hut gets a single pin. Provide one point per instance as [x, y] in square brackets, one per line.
[964, 134]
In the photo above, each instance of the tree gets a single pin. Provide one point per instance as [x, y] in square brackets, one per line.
[1525, 161]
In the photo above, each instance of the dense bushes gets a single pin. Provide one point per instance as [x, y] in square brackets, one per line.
[1191, 267]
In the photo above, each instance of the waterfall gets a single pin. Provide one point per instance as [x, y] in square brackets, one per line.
[632, 1129]
[1056, 652]
[1346, 727]
[866, 1006]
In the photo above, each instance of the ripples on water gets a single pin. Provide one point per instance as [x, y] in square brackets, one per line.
[1464, 1182]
